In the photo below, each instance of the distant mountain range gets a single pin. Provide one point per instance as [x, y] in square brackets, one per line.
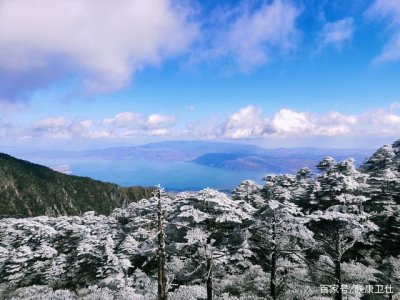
[229, 156]
[171, 150]
[28, 189]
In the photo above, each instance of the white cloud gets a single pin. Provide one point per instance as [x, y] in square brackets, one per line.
[251, 37]
[59, 128]
[51, 123]
[160, 121]
[103, 134]
[249, 122]
[390, 52]
[337, 33]
[107, 40]
[287, 121]
[124, 119]
[385, 9]
[388, 117]
[388, 10]
[124, 125]
[159, 132]
[139, 121]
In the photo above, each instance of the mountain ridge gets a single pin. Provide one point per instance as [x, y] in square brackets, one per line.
[30, 189]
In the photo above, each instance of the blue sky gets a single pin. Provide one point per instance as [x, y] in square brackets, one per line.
[81, 74]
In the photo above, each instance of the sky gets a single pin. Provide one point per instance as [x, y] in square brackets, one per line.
[78, 74]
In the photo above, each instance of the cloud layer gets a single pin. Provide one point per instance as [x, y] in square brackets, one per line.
[107, 41]
[251, 36]
[247, 123]
[250, 123]
[124, 125]
[102, 44]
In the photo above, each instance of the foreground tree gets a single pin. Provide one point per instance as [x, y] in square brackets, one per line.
[279, 231]
[162, 274]
[339, 222]
[383, 168]
[250, 192]
[211, 223]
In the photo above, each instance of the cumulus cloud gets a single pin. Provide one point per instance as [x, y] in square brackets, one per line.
[123, 119]
[159, 132]
[388, 117]
[157, 120]
[103, 43]
[389, 11]
[287, 121]
[139, 121]
[249, 122]
[121, 126]
[59, 128]
[252, 36]
[106, 41]
[337, 33]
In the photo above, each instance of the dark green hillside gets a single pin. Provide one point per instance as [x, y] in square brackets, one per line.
[28, 189]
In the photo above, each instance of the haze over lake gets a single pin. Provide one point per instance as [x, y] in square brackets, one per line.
[185, 165]
[173, 176]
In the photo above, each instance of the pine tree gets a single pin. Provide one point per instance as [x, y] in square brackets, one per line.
[211, 222]
[280, 228]
[162, 274]
[383, 169]
[248, 191]
[339, 221]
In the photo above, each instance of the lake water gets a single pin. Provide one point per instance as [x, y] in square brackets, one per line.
[172, 176]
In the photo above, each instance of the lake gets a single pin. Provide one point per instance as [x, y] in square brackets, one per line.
[172, 176]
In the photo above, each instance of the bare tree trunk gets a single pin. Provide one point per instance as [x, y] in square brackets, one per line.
[273, 261]
[338, 275]
[273, 276]
[210, 295]
[338, 269]
[162, 275]
[390, 280]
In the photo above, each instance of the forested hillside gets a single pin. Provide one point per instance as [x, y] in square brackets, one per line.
[330, 235]
[28, 189]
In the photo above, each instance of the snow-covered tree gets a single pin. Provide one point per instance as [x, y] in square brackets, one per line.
[383, 168]
[339, 221]
[211, 224]
[280, 232]
[250, 192]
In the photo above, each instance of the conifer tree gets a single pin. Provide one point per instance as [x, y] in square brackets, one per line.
[339, 221]
[280, 228]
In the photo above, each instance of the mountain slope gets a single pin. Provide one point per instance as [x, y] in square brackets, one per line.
[28, 189]
[277, 160]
